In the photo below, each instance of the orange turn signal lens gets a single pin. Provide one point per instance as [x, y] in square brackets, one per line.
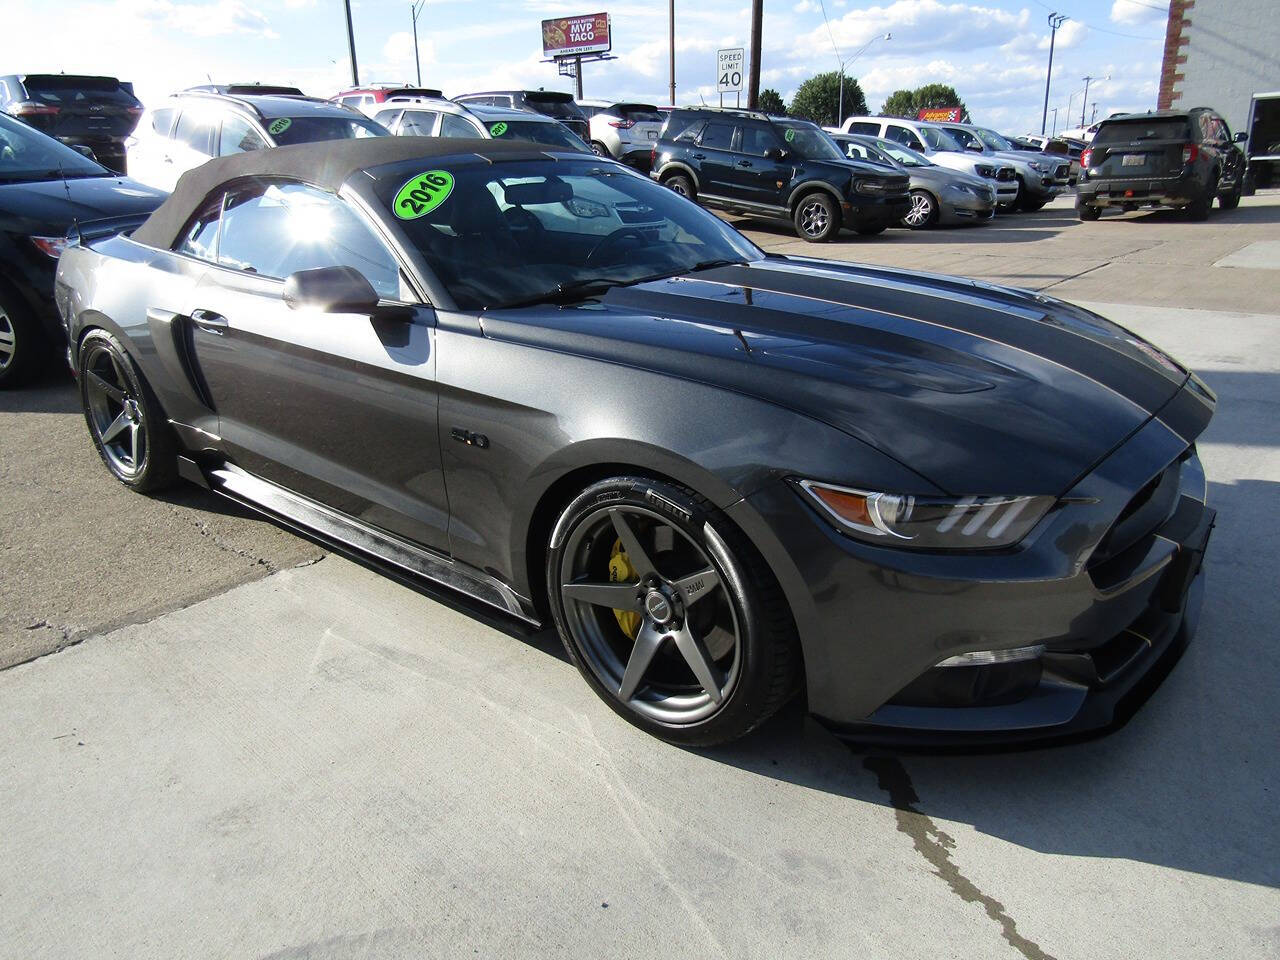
[850, 507]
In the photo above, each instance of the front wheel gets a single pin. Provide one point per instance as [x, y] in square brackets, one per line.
[816, 218]
[1231, 199]
[24, 349]
[128, 427]
[923, 212]
[871, 229]
[668, 612]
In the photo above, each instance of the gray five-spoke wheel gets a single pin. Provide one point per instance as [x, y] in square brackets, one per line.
[115, 411]
[813, 217]
[921, 209]
[8, 339]
[651, 615]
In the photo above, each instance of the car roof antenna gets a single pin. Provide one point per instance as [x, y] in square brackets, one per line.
[65, 186]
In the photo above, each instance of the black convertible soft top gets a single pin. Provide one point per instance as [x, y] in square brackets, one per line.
[328, 164]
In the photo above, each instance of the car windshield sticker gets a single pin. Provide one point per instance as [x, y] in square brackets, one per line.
[423, 194]
[498, 129]
[789, 136]
[280, 126]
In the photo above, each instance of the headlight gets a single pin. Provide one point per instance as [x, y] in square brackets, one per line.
[928, 523]
[868, 186]
[50, 246]
[1036, 165]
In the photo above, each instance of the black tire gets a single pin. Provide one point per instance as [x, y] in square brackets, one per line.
[24, 346]
[1026, 203]
[125, 420]
[871, 229]
[816, 217]
[924, 211]
[679, 183]
[600, 150]
[737, 620]
[1087, 211]
[1198, 209]
[1231, 199]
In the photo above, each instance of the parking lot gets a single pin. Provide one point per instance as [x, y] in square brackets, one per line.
[219, 739]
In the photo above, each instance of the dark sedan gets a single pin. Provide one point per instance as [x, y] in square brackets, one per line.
[937, 507]
[45, 189]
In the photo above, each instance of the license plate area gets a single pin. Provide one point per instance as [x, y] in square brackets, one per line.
[1133, 160]
[653, 134]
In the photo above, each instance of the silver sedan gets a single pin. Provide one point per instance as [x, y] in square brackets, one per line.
[938, 194]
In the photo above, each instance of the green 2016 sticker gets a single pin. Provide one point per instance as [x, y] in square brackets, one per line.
[280, 126]
[789, 136]
[423, 194]
[498, 129]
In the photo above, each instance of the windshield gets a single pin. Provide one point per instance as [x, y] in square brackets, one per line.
[1142, 129]
[26, 154]
[554, 106]
[993, 140]
[289, 130]
[939, 139]
[551, 132]
[808, 141]
[504, 234]
[904, 155]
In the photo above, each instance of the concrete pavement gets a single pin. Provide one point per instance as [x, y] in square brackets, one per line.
[320, 762]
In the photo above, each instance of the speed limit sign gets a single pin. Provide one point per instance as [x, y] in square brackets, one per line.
[729, 65]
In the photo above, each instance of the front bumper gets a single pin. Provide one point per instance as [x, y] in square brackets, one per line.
[965, 208]
[859, 210]
[875, 622]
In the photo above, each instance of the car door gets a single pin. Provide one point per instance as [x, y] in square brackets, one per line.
[757, 176]
[715, 158]
[1232, 159]
[338, 407]
[239, 134]
[191, 144]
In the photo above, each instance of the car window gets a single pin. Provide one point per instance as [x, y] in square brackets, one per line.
[863, 126]
[201, 237]
[855, 150]
[757, 141]
[550, 132]
[312, 129]
[455, 126]
[388, 118]
[717, 136]
[239, 136]
[966, 138]
[686, 129]
[276, 229]
[903, 136]
[419, 123]
[195, 129]
[163, 119]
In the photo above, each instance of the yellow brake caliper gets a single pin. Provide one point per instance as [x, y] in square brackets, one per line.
[621, 571]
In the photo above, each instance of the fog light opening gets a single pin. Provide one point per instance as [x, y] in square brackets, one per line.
[978, 658]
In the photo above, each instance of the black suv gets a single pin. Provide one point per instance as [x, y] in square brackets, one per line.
[93, 112]
[552, 103]
[749, 163]
[1172, 158]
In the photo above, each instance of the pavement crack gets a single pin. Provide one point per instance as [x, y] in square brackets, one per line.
[221, 544]
[1075, 276]
[935, 846]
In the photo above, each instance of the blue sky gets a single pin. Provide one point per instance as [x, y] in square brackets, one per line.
[993, 52]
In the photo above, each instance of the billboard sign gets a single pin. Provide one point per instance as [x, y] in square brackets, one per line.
[940, 114]
[569, 36]
[729, 65]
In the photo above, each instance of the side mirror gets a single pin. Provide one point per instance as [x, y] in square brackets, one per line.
[775, 153]
[975, 147]
[1242, 137]
[330, 290]
[84, 151]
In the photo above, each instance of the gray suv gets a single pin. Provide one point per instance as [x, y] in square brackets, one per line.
[1040, 178]
[623, 131]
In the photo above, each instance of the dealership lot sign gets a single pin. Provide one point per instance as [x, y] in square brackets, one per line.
[570, 36]
[941, 114]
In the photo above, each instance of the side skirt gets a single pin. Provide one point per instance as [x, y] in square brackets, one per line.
[342, 530]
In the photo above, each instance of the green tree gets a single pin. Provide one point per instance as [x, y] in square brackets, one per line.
[907, 103]
[771, 103]
[818, 99]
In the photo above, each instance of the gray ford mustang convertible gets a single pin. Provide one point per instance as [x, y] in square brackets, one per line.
[937, 508]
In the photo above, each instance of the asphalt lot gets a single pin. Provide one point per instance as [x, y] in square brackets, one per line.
[258, 749]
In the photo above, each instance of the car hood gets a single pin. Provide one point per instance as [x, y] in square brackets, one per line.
[50, 206]
[938, 174]
[979, 389]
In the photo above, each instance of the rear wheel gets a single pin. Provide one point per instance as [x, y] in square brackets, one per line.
[128, 427]
[599, 149]
[679, 183]
[923, 212]
[24, 348]
[1087, 211]
[668, 612]
[1231, 199]
[1198, 209]
[816, 218]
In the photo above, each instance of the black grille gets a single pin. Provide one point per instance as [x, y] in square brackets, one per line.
[1063, 172]
[897, 185]
[1006, 173]
[1148, 509]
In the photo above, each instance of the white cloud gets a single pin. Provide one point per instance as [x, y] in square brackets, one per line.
[805, 6]
[922, 25]
[1070, 34]
[1138, 12]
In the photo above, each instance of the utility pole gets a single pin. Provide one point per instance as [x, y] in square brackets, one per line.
[1055, 21]
[414, 10]
[351, 45]
[1094, 116]
[671, 42]
[753, 82]
[577, 74]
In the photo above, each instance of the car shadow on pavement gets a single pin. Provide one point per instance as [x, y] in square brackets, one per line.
[1166, 215]
[54, 392]
[1188, 783]
[1005, 228]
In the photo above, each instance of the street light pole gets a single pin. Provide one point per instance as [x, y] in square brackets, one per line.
[1086, 97]
[671, 42]
[845, 63]
[1055, 21]
[414, 10]
[351, 45]
[1055, 123]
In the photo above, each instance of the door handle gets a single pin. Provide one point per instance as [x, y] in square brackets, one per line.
[208, 320]
[699, 156]
[744, 163]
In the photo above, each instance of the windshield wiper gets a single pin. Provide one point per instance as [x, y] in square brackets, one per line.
[570, 292]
